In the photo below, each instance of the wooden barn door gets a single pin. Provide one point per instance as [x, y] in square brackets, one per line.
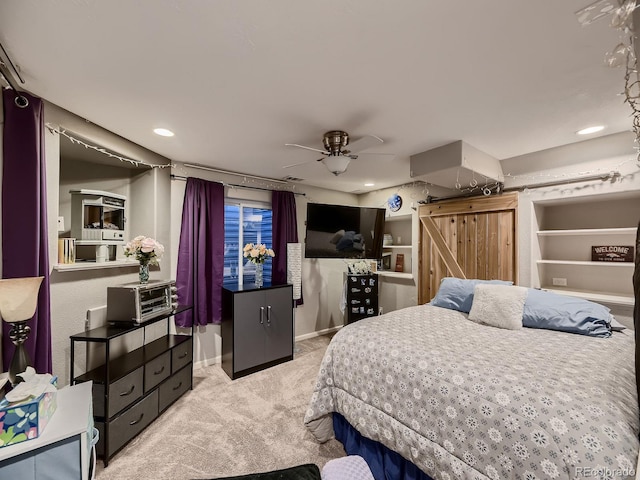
[467, 238]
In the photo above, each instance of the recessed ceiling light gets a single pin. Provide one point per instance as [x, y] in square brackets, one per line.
[369, 184]
[163, 132]
[588, 130]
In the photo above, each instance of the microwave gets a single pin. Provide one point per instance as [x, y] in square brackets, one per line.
[139, 302]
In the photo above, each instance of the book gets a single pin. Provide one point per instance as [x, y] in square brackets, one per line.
[400, 262]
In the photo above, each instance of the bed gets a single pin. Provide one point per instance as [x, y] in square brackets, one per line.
[445, 397]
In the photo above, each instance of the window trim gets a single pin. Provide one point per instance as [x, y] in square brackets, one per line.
[242, 204]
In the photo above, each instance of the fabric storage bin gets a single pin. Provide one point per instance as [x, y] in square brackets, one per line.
[27, 420]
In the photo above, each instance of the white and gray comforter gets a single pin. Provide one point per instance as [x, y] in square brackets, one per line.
[463, 400]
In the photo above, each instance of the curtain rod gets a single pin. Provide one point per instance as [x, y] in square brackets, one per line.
[613, 175]
[234, 185]
[21, 101]
[227, 172]
[604, 177]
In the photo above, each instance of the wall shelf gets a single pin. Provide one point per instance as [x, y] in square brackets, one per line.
[589, 231]
[586, 263]
[604, 297]
[68, 267]
[389, 274]
[396, 218]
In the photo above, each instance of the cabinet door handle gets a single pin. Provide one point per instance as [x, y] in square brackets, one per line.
[180, 357]
[261, 315]
[178, 386]
[137, 421]
[159, 371]
[269, 315]
[124, 394]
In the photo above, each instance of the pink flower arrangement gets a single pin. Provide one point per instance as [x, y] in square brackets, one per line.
[146, 250]
[257, 253]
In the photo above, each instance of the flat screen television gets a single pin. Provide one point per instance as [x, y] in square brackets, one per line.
[340, 231]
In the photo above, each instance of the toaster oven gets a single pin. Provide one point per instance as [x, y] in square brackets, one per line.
[140, 302]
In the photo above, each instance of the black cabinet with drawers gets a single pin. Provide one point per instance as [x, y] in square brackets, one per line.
[257, 328]
[131, 389]
[362, 296]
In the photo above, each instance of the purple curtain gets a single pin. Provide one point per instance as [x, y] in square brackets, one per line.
[285, 230]
[25, 251]
[201, 253]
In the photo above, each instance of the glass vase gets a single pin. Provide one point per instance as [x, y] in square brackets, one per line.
[258, 278]
[144, 273]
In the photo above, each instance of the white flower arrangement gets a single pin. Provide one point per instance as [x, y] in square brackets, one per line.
[257, 253]
[361, 267]
[146, 250]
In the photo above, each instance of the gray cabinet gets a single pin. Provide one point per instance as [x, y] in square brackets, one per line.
[131, 390]
[257, 328]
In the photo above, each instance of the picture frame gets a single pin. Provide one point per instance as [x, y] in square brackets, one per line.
[386, 261]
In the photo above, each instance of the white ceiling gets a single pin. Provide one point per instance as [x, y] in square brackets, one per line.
[237, 79]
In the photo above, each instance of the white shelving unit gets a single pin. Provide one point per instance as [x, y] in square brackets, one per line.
[400, 227]
[567, 231]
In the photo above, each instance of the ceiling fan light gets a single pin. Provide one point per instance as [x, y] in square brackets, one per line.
[336, 164]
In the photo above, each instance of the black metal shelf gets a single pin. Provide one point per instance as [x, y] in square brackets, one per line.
[127, 363]
[114, 330]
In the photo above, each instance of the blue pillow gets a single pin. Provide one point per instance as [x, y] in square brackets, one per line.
[552, 311]
[457, 293]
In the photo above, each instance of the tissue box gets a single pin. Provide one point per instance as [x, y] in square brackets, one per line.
[27, 420]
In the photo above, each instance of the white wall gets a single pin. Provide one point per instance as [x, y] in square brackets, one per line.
[321, 278]
[73, 293]
[396, 293]
[563, 163]
[560, 164]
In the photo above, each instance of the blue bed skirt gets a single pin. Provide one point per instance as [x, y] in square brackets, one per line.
[385, 464]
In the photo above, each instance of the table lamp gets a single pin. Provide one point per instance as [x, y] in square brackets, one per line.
[18, 302]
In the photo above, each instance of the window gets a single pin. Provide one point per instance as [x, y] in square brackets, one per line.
[244, 224]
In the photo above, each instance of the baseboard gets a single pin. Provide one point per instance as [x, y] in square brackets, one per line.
[317, 333]
[207, 362]
[218, 359]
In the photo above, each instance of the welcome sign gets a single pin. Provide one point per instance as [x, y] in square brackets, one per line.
[612, 253]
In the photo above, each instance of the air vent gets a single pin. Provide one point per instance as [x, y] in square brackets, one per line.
[289, 178]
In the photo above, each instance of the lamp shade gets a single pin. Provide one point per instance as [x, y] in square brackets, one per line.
[19, 298]
[336, 164]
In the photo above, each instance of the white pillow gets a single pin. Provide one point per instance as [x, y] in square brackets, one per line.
[498, 305]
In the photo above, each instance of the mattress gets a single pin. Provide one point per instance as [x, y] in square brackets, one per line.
[464, 400]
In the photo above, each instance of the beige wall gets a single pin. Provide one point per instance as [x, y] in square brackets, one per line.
[321, 278]
[603, 155]
[74, 294]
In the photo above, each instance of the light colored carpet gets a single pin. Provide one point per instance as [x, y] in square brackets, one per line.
[227, 427]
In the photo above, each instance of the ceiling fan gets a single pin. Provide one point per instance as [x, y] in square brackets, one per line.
[336, 154]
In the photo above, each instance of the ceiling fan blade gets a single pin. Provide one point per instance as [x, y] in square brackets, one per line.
[297, 164]
[306, 148]
[364, 143]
